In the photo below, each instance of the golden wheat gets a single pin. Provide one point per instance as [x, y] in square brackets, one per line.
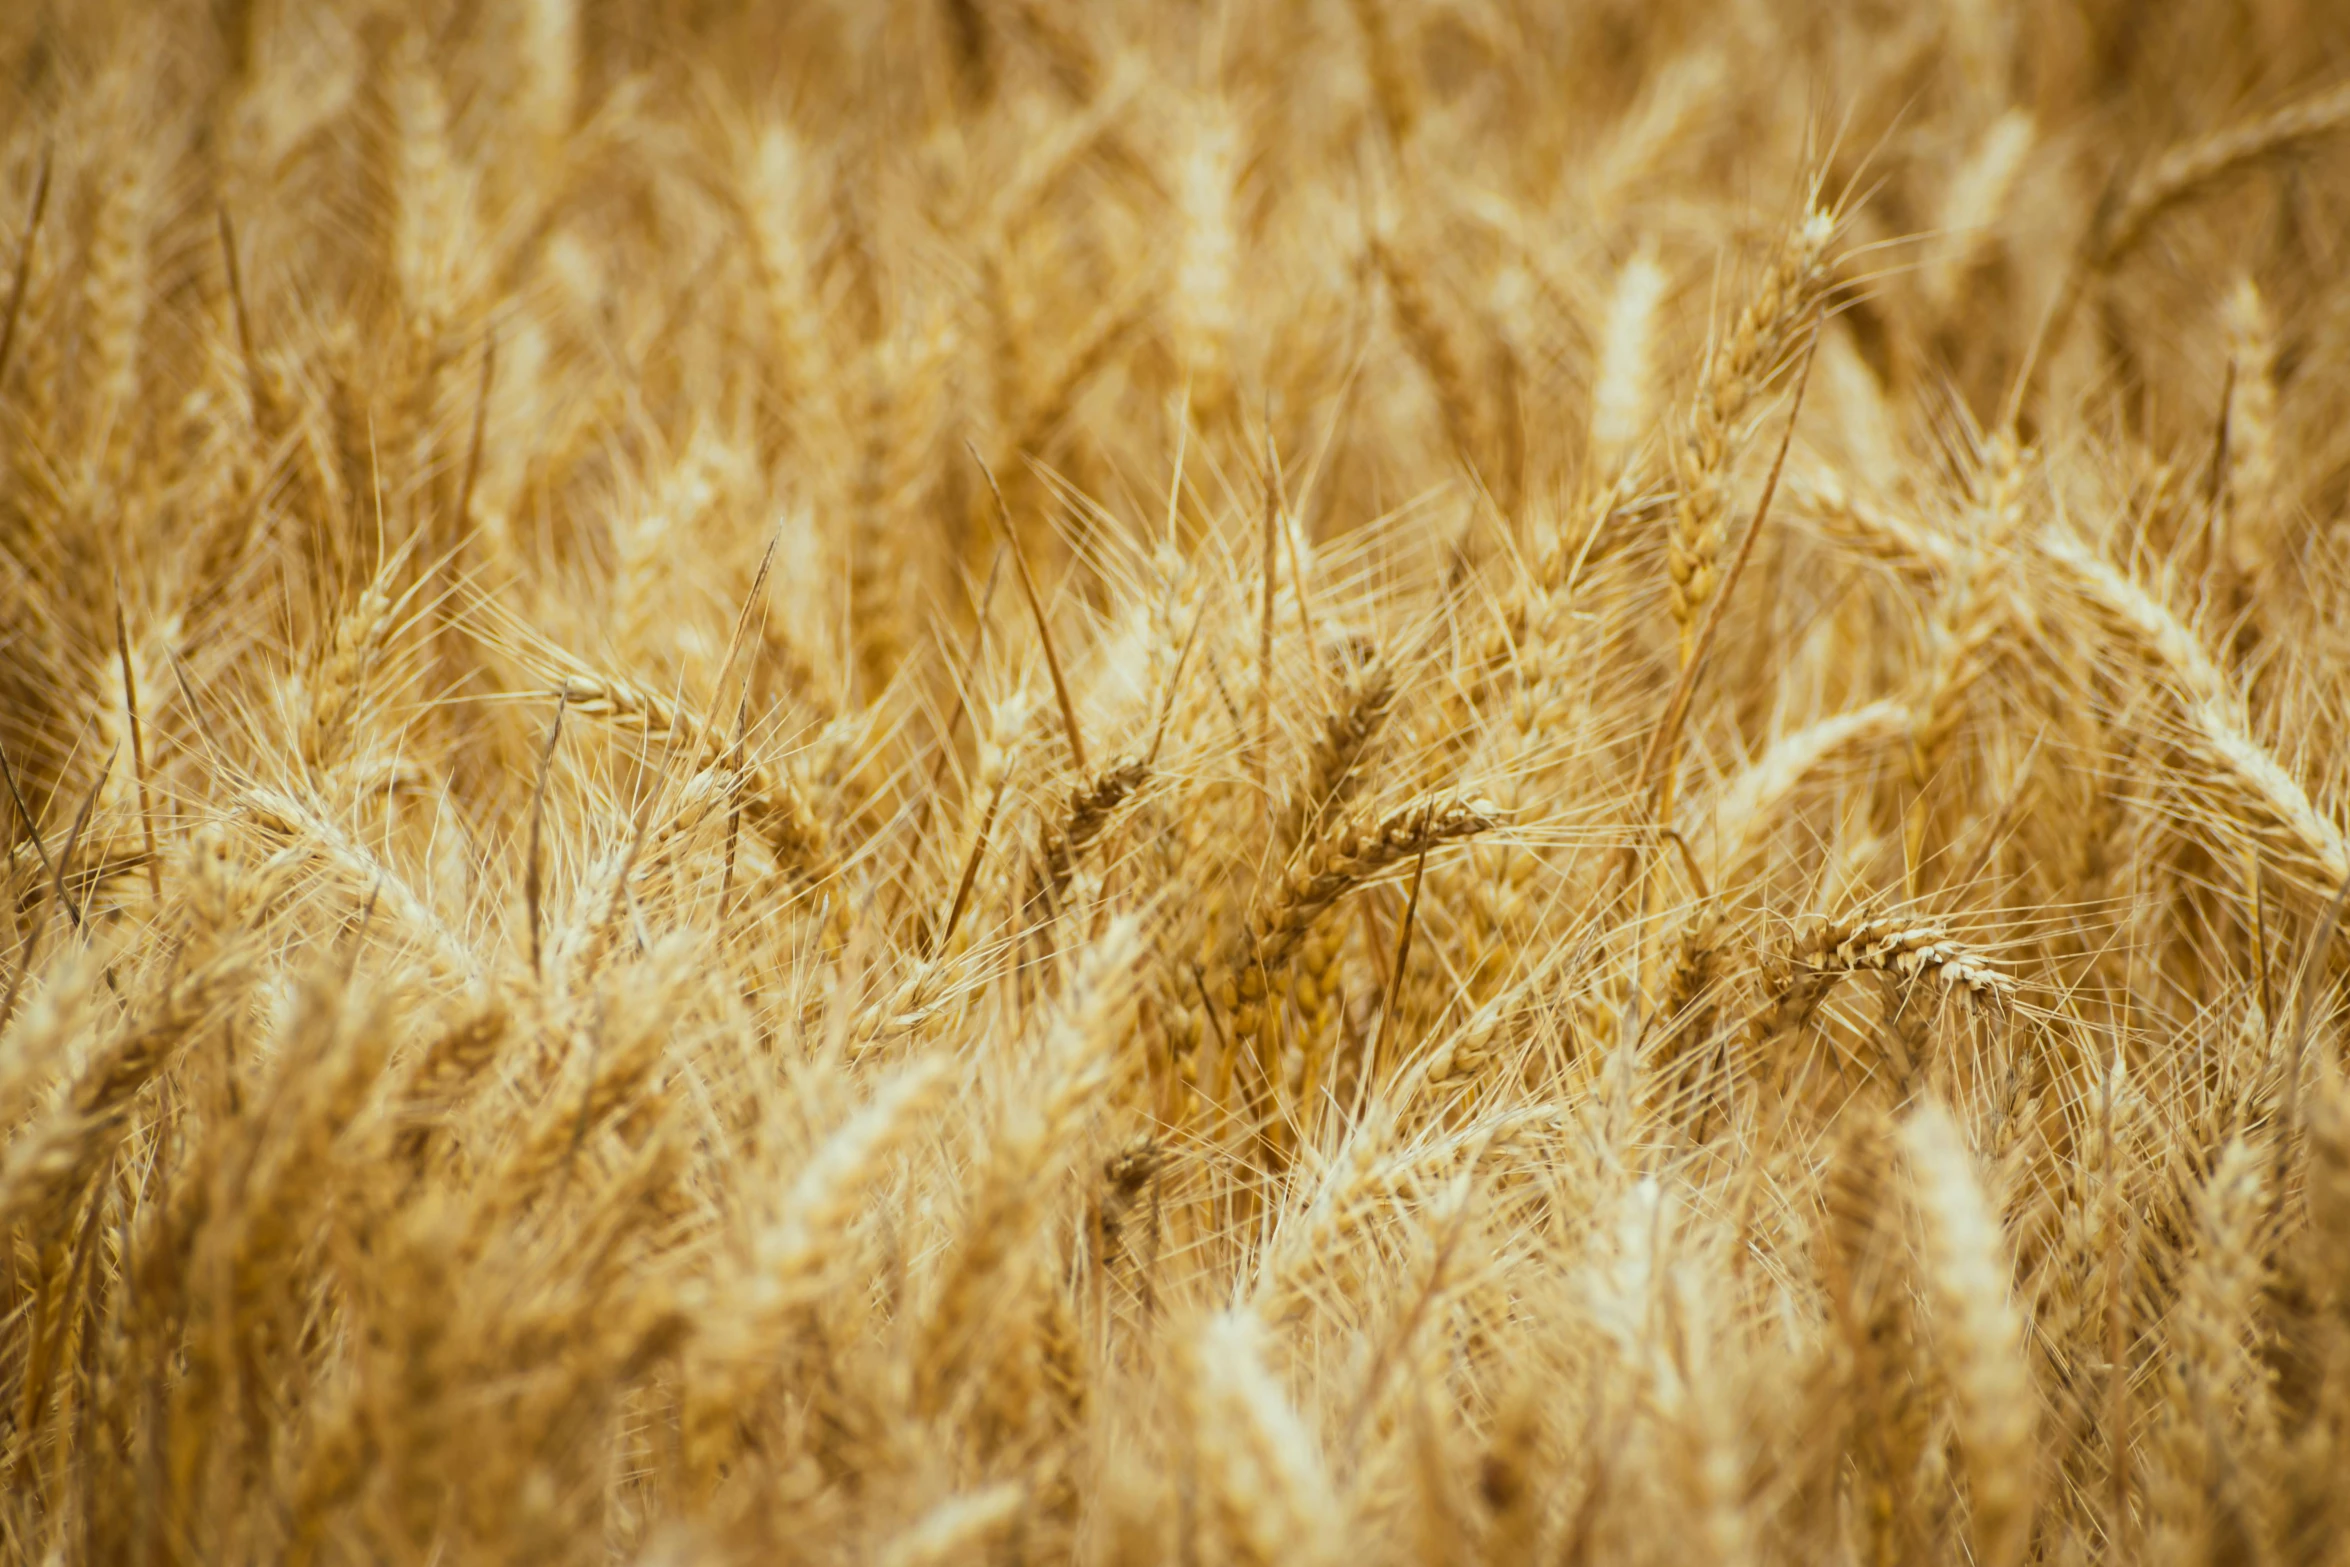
[1455, 973]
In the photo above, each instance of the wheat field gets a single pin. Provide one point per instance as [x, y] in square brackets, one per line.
[1197, 781]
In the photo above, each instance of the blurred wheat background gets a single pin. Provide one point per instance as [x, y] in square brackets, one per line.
[1209, 781]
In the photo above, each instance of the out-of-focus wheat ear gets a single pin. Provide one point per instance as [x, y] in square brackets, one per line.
[1075, 58]
[59, 1012]
[2312, 1509]
[431, 239]
[1974, 205]
[971, 46]
[47, 1168]
[960, 1529]
[2219, 1294]
[1207, 255]
[544, 96]
[1510, 1476]
[1711, 1461]
[2251, 483]
[116, 284]
[418, 1346]
[436, 1082]
[1080, 1057]
[630, 1034]
[2326, 1243]
[334, 1047]
[1862, 1249]
[459, 525]
[1394, 89]
[1307, 1241]
[789, 1255]
[335, 1465]
[1624, 398]
[1048, 406]
[777, 189]
[1267, 1486]
[1435, 347]
[22, 277]
[2187, 170]
[877, 566]
[1978, 1335]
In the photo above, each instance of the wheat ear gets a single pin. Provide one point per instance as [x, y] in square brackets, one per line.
[1977, 1333]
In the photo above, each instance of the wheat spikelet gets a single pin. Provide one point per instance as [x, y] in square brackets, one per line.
[1902, 948]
